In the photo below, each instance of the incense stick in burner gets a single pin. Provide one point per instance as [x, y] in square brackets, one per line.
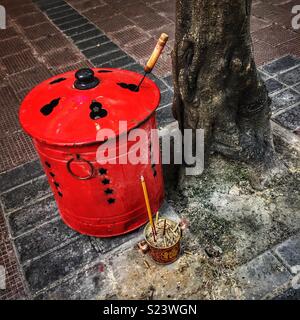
[167, 234]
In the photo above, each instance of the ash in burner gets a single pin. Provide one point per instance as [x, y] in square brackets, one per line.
[130, 86]
[97, 111]
[48, 108]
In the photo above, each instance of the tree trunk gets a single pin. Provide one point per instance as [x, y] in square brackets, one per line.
[216, 84]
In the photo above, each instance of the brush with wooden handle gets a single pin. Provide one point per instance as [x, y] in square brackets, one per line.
[154, 56]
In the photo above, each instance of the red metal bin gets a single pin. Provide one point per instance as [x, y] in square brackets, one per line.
[63, 115]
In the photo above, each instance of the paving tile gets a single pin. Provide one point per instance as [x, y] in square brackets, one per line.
[66, 19]
[9, 122]
[289, 250]
[8, 97]
[74, 66]
[143, 49]
[261, 276]
[15, 288]
[291, 77]
[258, 24]
[297, 88]
[73, 24]
[164, 6]
[129, 36]
[16, 149]
[137, 68]
[161, 85]
[290, 47]
[106, 58]
[46, 5]
[19, 62]
[289, 119]
[86, 285]
[31, 19]
[169, 29]
[166, 98]
[102, 50]
[56, 10]
[163, 66]
[273, 85]
[265, 11]
[21, 95]
[86, 5]
[114, 23]
[104, 245]
[274, 35]
[264, 53]
[51, 43]
[136, 9]
[25, 194]
[151, 21]
[26, 80]
[284, 99]
[9, 46]
[169, 81]
[164, 116]
[8, 33]
[41, 30]
[59, 263]
[280, 65]
[42, 239]
[61, 57]
[95, 42]
[79, 30]
[122, 63]
[65, 12]
[263, 76]
[32, 216]
[21, 10]
[87, 35]
[103, 12]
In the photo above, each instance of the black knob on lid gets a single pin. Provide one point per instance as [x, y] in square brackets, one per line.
[85, 79]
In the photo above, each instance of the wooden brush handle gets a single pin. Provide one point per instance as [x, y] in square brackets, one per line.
[156, 52]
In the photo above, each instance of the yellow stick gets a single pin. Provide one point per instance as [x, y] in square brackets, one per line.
[147, 203]
[156, 218]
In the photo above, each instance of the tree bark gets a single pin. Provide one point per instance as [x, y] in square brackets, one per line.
[216, 85]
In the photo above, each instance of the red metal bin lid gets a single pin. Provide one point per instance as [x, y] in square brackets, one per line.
[69, 109]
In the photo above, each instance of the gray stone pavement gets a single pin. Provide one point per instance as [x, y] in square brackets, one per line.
[56, 261]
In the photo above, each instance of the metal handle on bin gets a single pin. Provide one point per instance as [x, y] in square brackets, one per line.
[75, 175]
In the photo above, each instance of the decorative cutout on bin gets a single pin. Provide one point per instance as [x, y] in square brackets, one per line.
[58, 80]
[47, 164]
[48, 108]
[97, 110]
[109, 191]
[105, 181]
[130, 86]
[52, 174]
[102, 171]
[111, 200]
[56, 184]
[60, 194]
[104, 71]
